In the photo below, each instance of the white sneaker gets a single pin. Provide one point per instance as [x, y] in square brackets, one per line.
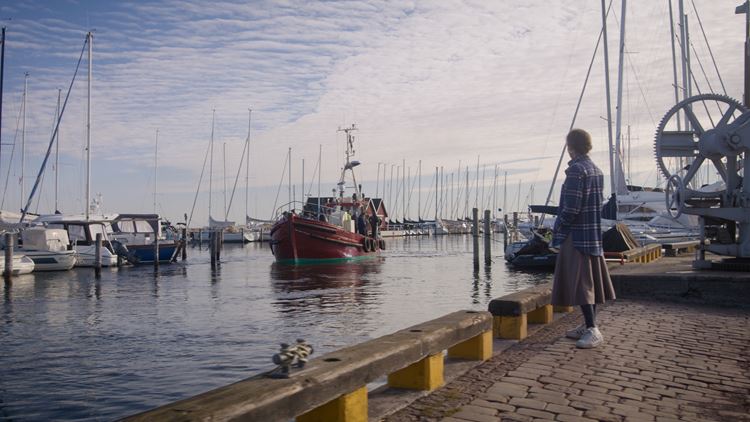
[576, 333]
[590, 339]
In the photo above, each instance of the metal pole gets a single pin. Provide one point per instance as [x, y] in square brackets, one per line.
[8, 254]
[621, 66]
[23, 138]
[674, 64]
[156, 167]
[683, 57]
[487, 239]
[211, 166]
[88, 126]
[609, 100]
[419, 191]
[224, 175]
[2, 73]
[247, 164]
[57, 151]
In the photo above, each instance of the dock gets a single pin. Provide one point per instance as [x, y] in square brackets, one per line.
[677, 347]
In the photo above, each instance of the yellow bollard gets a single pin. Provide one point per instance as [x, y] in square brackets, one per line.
[427, 374]
[476, 348]
[541, 315]
[507, 327]
[350, 407]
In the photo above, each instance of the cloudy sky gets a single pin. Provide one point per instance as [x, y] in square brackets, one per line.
[437, 81]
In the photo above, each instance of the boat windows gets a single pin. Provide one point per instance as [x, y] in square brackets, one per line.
[142, 226]
[76, 233]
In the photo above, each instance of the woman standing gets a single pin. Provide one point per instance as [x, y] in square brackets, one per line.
[581, 274]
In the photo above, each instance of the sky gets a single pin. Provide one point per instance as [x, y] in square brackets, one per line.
[441, 82]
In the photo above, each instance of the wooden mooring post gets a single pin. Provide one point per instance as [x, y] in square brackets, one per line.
[487, 239]
[475, 235]
[9, 241]
[505, 231]
[212, 236]
[184, 243]
[98, 256]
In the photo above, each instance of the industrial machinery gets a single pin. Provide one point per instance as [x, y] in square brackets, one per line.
[701, 147]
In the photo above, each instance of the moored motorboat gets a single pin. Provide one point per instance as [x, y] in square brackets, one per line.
[48, 248]
[22, 264]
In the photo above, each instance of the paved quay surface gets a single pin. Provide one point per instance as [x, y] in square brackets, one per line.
[660, 362]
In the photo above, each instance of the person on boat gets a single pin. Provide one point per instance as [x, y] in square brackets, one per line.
[581, 274]
[374, 222]
[361, 224]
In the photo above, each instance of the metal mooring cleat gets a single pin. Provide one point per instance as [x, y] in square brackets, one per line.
[290, 356]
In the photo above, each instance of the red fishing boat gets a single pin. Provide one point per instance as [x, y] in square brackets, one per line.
[331, 229]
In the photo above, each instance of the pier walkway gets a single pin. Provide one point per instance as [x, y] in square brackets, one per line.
[661, 361]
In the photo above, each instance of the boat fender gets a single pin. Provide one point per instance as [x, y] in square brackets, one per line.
[365, 244]
[381, 244]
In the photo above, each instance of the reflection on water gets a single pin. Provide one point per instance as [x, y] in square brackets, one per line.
[77, 347]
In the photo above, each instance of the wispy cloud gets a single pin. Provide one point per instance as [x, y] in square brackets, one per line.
[436, 81]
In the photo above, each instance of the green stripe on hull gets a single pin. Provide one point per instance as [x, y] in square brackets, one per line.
[305, 261]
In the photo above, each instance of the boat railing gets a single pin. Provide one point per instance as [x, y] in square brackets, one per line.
[292, 206]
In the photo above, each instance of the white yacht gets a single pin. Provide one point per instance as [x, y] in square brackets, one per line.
[48, 248]
[82, 236]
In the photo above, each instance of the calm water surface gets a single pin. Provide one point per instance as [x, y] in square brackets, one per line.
[76, 348]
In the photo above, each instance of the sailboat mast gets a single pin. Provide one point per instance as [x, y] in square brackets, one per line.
[224, 174]
[289, 161]
[156, 167]
[57, 150]
[403, 190]
[23, 137]
[303, 181]
[377, 182]
[2, 73]
[419, 191]
[247, 163]
[609, 100]
[621, 66]
[437, 174]
[88, 125]
[211, 165]
[674, 64]
[466, 204]
[320, 154]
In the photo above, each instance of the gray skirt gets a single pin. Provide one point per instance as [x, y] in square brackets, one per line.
[580, 279]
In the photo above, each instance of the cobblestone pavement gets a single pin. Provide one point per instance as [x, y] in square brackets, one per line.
[660, 362]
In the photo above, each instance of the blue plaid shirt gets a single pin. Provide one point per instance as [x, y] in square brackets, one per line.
[581, 207]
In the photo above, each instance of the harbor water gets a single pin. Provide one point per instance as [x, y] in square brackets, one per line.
[76, 348]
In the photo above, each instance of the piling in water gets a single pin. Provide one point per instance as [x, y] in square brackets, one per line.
[98, 256]
[156, 245]
[184, 243]
[475, 235]
[8, 256]
[487, 239]
[212, 236]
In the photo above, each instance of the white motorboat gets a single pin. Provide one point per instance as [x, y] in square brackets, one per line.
[82, 236]
[22, 264]
[48, 248]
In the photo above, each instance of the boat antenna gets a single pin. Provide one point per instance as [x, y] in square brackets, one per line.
[349, 164]
[54, 134]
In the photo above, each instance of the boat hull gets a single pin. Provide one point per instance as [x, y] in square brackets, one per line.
[297, 240]
[145, 253]
[52, 260]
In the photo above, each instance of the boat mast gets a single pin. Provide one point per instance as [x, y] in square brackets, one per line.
[303, 181]
[466, 204]
[437, 174]
[621, 65]
[211, 166]
[90, 37]
[377, 182]
[403, 190]
[247, 164]
[2, 73]
[57, 151]
[476, 187]
[289, 178]
[320, 154]
[224, 172]
[419, 191]
[609, 100]
[23, 137]
[674, 65]
[156, 167]
[505, 193]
